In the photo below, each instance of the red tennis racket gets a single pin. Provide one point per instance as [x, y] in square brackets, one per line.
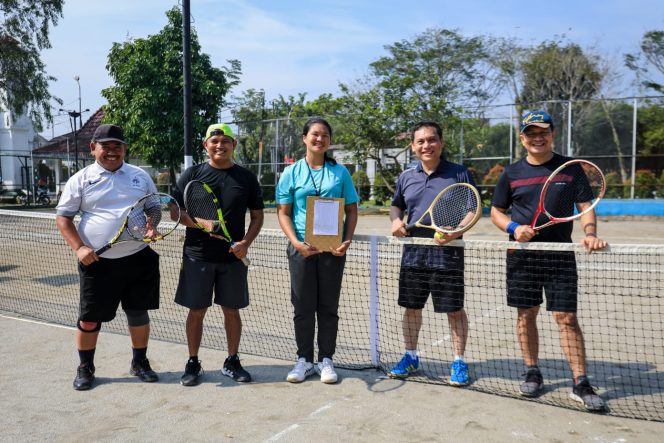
[572, 190]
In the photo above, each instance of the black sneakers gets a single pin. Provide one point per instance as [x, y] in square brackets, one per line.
[142, 370]
[192, 372]
[232, 368]
[85, 375]
[584, 393]
[533, 383]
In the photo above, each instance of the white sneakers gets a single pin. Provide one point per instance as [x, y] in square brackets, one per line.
[326, 371]
[304, 369]
[301, 371]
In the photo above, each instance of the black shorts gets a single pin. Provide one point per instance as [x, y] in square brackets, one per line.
[435, 270]
[132, 281]
[198, 278]
[445, 287]
[530, 272]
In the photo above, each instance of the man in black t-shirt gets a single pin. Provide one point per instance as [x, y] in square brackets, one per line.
[209, 263]
[530, 272]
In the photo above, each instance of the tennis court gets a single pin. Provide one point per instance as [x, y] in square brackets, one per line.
[620, 311]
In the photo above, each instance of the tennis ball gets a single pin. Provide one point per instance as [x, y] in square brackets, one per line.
[439, 235]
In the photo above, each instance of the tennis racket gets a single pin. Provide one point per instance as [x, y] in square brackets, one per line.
[204, 208]
[143, 221]
[575, 182]
[454, 210]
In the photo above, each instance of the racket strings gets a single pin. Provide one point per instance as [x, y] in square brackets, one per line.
[450, 212]
[144, 220]
[200, 203]
[576, 183]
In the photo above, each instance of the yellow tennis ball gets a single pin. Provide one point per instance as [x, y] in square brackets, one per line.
[439, 235]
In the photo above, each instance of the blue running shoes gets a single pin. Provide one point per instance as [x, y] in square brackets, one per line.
[405, 367]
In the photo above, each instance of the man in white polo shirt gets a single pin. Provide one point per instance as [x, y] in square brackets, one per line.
[127, 273]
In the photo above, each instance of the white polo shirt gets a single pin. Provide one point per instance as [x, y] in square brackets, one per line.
[103, 199]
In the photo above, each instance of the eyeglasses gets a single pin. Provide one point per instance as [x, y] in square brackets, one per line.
[533, 135]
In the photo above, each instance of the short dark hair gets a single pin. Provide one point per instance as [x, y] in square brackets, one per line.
[426, 124]
[318, 120]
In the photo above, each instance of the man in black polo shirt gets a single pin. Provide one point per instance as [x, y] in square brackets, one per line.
[208, 261]
[529, 272]
[429, 269]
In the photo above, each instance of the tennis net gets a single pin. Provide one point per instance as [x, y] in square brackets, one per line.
[620, 310]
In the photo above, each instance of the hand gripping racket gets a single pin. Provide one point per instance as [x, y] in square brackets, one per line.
[572, 190]
[143, 221]
[454, 210]
[205, 210]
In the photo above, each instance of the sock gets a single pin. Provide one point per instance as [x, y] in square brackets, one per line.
[533, 367]
[87, 357]
[458, 357]
[412, 353]
[580, 379]
[193, 358]
[139, 353]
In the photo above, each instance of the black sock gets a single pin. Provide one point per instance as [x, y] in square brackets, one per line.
[533, 368]
[87, 357]
[139, 353]
[193, 358]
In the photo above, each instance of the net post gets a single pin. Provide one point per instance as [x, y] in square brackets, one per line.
[373, 301]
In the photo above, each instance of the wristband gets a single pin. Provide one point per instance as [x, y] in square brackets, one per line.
[511, 228]
[591, 234]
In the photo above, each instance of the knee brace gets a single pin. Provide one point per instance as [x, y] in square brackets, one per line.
[137, 317]
[88, 326]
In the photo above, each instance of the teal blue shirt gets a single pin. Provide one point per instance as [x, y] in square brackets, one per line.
[298, 181]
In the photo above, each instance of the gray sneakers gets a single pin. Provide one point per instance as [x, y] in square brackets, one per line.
[584, 393]
[533, 384]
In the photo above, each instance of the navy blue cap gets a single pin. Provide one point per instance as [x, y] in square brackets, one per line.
[540, 119]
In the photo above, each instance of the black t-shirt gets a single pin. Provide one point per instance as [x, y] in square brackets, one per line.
[520, 186]
[238, 190]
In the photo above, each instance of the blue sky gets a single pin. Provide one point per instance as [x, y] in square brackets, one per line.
[289, 46]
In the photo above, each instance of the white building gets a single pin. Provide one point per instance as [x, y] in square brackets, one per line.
[17, 140]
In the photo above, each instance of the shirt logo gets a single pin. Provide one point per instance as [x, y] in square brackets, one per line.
[135, 182]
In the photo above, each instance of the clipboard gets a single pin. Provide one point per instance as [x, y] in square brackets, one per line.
[324, 222]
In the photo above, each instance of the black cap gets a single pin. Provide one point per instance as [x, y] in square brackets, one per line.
[105, 133]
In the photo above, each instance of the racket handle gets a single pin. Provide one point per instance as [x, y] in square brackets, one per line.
[245, 260]
[410, 227]
[102, 249]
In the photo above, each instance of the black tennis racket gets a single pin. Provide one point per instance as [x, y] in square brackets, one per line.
[204, 208]
[143, 221]
[455, 209]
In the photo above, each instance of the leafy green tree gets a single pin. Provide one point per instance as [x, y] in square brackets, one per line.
[651, 58]
[362, 184]
[555, 72]
[147, 97]
[24, 31]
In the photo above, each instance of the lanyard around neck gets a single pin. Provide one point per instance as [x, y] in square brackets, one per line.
[318, 188]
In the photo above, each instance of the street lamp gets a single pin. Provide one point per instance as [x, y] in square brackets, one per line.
[80, 119]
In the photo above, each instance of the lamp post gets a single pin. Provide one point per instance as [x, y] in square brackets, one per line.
[74, 115]
[80, 119]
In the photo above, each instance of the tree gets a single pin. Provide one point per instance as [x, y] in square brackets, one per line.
[24, 32]
[651, 58]
[555, 72]
[147, 97]
[427, 78]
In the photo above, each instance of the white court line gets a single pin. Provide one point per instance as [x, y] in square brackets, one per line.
[37, 322]
[294, 426]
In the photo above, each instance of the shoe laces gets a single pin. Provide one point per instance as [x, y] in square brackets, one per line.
[533, 376]
[84, 370]
[144, 365]
[193, 367]
[584, 389]
[301, 365]
[459, 365]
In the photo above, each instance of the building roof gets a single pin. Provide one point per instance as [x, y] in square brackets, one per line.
[63, 145]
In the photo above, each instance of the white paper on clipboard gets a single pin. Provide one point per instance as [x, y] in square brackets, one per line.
[326, 217]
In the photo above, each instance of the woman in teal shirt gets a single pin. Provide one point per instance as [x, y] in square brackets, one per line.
[315, 275]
